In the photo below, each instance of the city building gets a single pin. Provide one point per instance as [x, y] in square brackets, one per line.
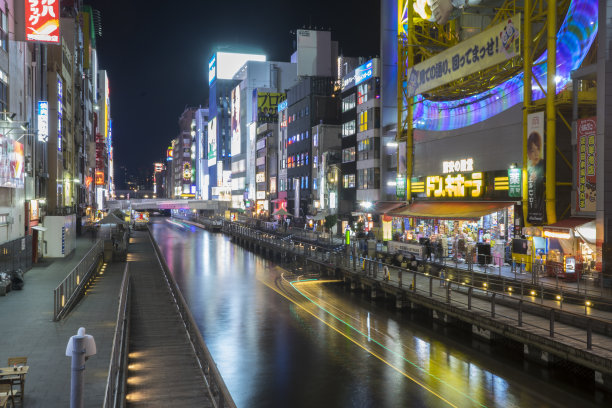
[202, 177]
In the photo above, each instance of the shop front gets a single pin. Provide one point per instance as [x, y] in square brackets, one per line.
[468, 216]
[571, 248]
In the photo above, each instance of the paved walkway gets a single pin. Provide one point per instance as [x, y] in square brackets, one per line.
[28, 330]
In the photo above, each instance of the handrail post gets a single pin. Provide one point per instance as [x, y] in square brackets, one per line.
[470, 290]
[589, 334]
[493, 305]
[448, 293]
[431, 286]
[520, 313]
[552, 322]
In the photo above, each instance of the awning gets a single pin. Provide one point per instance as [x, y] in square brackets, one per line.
[565, 228]
[450, 210]
[383, 207]
[39, 228]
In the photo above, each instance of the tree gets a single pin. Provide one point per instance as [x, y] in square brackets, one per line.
[330, 222]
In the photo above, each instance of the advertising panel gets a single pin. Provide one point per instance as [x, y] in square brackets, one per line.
[491, 47]
[99, 178]
[43, 121]
[226, 64]
[11, 163]
[586, 192]
[235, 124]
[42, 21]
[169, 152]
[60, 99]
[212, 69]
[364, 72]
[212, 142]
[267, 106]
[536, 169]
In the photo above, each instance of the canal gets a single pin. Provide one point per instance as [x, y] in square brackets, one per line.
[279, 342]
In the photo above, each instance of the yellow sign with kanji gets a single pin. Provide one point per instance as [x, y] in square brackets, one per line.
[454, 185]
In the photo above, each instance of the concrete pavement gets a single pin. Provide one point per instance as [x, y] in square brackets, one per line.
[28, 329]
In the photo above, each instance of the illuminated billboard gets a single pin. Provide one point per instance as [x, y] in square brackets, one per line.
[212, 142]
[60, 99]
[169, 153]
[11, 163]
[42, 21]
[235, 124]
[364, 72]
[159, 167]
[268, 106]
[43, 121]
[223, 65]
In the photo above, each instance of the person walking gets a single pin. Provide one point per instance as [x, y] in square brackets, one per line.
[442, 277]
[386, 274]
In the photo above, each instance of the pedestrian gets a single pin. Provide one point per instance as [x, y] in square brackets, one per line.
[442, 281]
[386, 275]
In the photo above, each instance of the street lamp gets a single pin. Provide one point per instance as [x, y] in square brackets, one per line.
[80, 348]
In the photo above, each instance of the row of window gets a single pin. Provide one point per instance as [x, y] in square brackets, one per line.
[366, 179]
[297, 138]
[297, 160]
[368, 119]
[300, 114]
[366, 91]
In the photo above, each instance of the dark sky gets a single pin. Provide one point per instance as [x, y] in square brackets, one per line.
[156, 55]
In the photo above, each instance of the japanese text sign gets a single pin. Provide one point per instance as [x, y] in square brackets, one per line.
[460, 185]
[42, 21]
[586, 194]
[43, 121]
[514, 182]
[491, 47]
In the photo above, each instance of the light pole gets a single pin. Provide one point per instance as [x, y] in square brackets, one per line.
[79, 347]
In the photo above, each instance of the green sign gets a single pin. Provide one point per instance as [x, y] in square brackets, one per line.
[400, 187]
[514, 182]
[347, 236]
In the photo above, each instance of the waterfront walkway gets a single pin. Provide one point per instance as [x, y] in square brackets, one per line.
[165, 371]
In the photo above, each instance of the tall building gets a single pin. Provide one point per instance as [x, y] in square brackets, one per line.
[222, 67]
[201, 160]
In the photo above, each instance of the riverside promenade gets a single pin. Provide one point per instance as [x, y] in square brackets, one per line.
[28, 330]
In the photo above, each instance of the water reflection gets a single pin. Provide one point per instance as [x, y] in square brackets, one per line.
[322, 346]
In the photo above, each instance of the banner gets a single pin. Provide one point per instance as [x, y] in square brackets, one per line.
[42, 22]
[491, 47]
[212, 142]
[267, 106]
[586, 134]
[235, 122]
[536, 169]
[11, 163]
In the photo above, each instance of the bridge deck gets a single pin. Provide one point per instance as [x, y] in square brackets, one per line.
[163, 368]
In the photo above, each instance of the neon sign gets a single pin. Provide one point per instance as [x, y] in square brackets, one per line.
[59, 114]
[454, 186]
[212, 69]
[456, 166]
[364, 72]
[43, 121]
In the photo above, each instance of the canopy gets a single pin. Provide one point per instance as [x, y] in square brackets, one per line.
[281, 211]
[112, 219]
[450, 210]
[39, 228]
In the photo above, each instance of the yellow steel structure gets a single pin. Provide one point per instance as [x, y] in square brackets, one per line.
[419, 39]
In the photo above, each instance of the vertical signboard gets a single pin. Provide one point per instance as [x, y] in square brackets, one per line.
[42, 21]
[536, 169]
[212, 142]
[514, 182]
[586, 134]
[400, 181]
[11, 163]
[60, 98]
[235, 124]
[43, 121]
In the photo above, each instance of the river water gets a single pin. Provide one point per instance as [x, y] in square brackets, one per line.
[279, 342]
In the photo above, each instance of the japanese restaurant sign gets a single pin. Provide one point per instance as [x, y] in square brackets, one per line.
[586, 191]
[42, 22]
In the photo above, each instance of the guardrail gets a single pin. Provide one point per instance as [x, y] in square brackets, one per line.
[69, 290]
[116, 381]
[218, 390]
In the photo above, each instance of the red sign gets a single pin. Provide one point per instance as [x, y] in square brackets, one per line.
[42, 21]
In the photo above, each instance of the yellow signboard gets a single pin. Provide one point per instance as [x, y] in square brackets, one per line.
[491, 47]
[459, 185]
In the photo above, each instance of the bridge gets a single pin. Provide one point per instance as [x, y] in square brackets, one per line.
[160, 204]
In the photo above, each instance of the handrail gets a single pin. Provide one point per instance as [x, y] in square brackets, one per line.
[65, 294]
[216, 386]
[115, 383]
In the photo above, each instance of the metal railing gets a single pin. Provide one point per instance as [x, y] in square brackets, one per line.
[518, 296]
[117, 371]
[216, 386]
[69, 290]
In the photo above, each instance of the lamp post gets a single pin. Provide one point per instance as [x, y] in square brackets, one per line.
[79, 347]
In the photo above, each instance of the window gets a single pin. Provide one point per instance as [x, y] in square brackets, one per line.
[306, 182]
[363, 121]
[362, 93]
[348, 103]
[307, 111]
[348, 154]
[315, 161]
[3, 91]
[306, 157]
[314, 184]
[349, 181]
[3, 31]
[368, 178]
[315, 140]
[368, 148]
[348, 128]
[306, 134]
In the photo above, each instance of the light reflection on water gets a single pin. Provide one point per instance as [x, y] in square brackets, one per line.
[277, 352]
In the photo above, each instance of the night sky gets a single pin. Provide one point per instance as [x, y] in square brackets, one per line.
[156, 55]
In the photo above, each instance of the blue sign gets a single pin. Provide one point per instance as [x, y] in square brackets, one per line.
[43, 121]
[212, 69]
[364, 72]
[282, 106]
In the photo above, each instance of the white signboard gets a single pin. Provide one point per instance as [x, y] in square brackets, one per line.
[491, 47]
